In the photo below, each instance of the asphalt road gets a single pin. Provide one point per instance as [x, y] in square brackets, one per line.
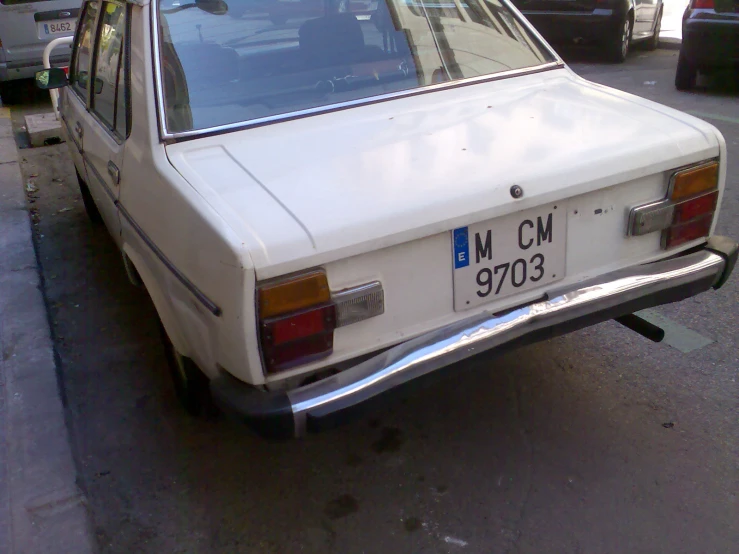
[596, 442]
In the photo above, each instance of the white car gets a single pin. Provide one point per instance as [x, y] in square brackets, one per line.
[326, 210]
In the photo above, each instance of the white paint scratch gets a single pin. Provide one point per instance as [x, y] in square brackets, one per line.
[456, 542]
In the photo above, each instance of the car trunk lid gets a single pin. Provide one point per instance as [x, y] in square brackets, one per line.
[318, 189]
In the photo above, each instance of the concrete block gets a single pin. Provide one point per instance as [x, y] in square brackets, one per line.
[42, 127]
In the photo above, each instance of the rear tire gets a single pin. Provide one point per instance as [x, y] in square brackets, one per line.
[619, 43]
[190, 384]
[10, 92]
[92, 210]
[686, 74]
[653, 43]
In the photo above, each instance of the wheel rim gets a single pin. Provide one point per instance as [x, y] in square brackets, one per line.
[625, 38]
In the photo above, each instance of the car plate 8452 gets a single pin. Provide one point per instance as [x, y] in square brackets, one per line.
[508, 255]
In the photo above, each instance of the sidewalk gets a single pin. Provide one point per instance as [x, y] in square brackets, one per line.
[41, 508]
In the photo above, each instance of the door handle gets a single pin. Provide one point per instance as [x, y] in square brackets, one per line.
[78, 129]
[114, 173]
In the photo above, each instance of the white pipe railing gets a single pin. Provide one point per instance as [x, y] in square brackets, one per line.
[47, 64]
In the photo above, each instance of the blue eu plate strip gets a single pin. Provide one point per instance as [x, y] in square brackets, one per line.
[461, 248]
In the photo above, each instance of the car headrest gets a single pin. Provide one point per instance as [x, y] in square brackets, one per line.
[331, 36]
[208, 63]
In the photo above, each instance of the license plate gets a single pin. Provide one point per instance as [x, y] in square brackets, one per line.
[59, 27]
[509, 255]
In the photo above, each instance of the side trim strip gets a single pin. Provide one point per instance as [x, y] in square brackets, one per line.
[99, 177]
[204, 300]
[196, 292]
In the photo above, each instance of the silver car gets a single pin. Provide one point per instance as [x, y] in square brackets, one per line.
[25, 30]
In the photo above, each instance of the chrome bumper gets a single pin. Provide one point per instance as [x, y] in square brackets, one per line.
[320, 404]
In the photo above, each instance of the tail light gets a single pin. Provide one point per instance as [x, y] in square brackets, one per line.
[687, 212]
[298, 316]
[703, 4]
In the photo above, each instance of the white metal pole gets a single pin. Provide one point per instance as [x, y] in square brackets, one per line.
[47, 64]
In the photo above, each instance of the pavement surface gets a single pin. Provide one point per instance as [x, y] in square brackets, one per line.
[596, 442]
[41, 508]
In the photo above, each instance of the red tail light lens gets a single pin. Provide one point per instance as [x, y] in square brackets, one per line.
[298, 336]
[300, 352]
[690, 209]
[290, 328]
[680, 234]
[703, 4]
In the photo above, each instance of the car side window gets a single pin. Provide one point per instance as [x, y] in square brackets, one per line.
[109, 98]
[79, 73]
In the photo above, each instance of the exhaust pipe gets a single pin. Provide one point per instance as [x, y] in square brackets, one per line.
[642, 326]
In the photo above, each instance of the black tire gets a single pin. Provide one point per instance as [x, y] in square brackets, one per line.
[92, 210]
[619, 43]
[686, 74]
[190, 384]
[653, 42]
[10, 92]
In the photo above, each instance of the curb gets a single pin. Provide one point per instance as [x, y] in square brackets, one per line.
[41, 508]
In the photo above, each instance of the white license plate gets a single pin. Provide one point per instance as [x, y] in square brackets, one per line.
[59, 27]
[508, 255]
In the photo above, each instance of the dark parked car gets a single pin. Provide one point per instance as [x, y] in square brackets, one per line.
[614, 24]
[710, 39]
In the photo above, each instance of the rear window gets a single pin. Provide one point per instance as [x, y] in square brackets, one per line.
[239, 60]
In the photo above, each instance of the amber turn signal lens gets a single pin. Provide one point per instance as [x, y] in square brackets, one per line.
[303, 291]
[694, 181]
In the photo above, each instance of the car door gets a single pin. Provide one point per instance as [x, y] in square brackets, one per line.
[106, 124]
[642, 24]
[73, 99]
[650, 9]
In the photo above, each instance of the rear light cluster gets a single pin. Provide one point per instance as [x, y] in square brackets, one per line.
[703, 4]
[298, 316]
[687, 212]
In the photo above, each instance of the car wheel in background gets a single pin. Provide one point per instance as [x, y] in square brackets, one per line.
[653, 42]
[10, 92]
[686, 73]
[618, 44]
[92, 210]
[191, 384]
